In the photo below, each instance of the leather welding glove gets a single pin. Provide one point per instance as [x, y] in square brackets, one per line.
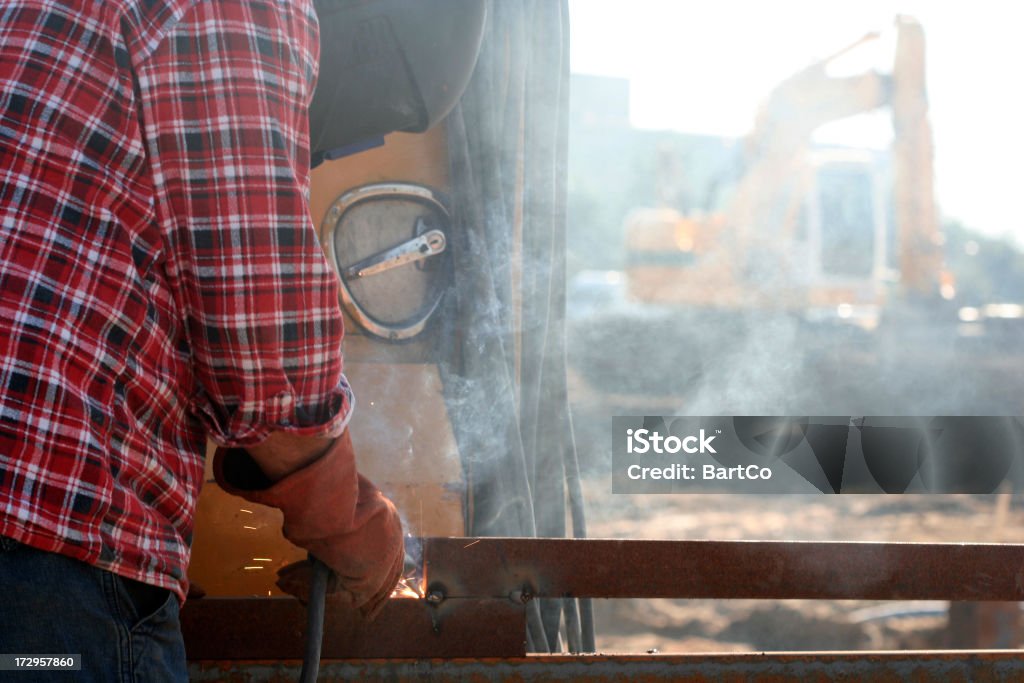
[335, 513]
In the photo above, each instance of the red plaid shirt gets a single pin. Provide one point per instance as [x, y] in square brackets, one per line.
[161, 278]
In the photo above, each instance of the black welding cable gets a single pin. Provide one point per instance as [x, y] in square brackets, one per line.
[315, 621]
[579, 613]
[579, 530]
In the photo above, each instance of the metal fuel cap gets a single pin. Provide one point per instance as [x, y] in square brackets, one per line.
[386, 242]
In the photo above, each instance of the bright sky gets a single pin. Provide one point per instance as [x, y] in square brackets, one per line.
[704, 65]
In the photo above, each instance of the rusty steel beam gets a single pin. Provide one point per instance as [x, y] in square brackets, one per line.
[273, 629]
[895, 667]
[556, 567]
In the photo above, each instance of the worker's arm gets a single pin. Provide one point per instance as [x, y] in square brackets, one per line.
[224, 100]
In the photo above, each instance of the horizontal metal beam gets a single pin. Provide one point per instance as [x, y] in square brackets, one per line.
[921, 667]
[557, 567]
[471, 614]
[273, 628]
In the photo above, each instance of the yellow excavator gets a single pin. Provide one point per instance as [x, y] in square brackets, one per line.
[810, 230]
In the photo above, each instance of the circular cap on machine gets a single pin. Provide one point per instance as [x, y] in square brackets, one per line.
[387, 243]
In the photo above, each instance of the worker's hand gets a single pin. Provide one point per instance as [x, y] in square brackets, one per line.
[297, 578]
[333, 512]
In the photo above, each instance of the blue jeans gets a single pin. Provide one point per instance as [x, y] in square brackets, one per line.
[50, 604]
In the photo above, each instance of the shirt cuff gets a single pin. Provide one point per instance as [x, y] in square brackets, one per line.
[252, 425]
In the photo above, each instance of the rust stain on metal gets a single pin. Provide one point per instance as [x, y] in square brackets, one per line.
[599, 568]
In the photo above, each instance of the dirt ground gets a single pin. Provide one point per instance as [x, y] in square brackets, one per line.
[757, 625]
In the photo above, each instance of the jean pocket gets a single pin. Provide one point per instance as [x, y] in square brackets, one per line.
[7, 544]
[164, 616]
[149, 604]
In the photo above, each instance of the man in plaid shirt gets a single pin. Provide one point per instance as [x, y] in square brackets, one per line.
[161, 283]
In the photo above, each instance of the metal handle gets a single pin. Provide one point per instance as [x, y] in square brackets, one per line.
[426, 245]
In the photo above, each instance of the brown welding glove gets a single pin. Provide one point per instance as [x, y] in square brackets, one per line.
[333, 512]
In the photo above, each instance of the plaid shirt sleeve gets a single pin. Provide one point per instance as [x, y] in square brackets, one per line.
[224, 110]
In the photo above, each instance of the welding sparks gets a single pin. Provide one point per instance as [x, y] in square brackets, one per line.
[406, 588]
[252, 528]
[413, 583]
[251, 567]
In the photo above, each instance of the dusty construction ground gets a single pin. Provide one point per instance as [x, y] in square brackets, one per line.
[756, 625]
